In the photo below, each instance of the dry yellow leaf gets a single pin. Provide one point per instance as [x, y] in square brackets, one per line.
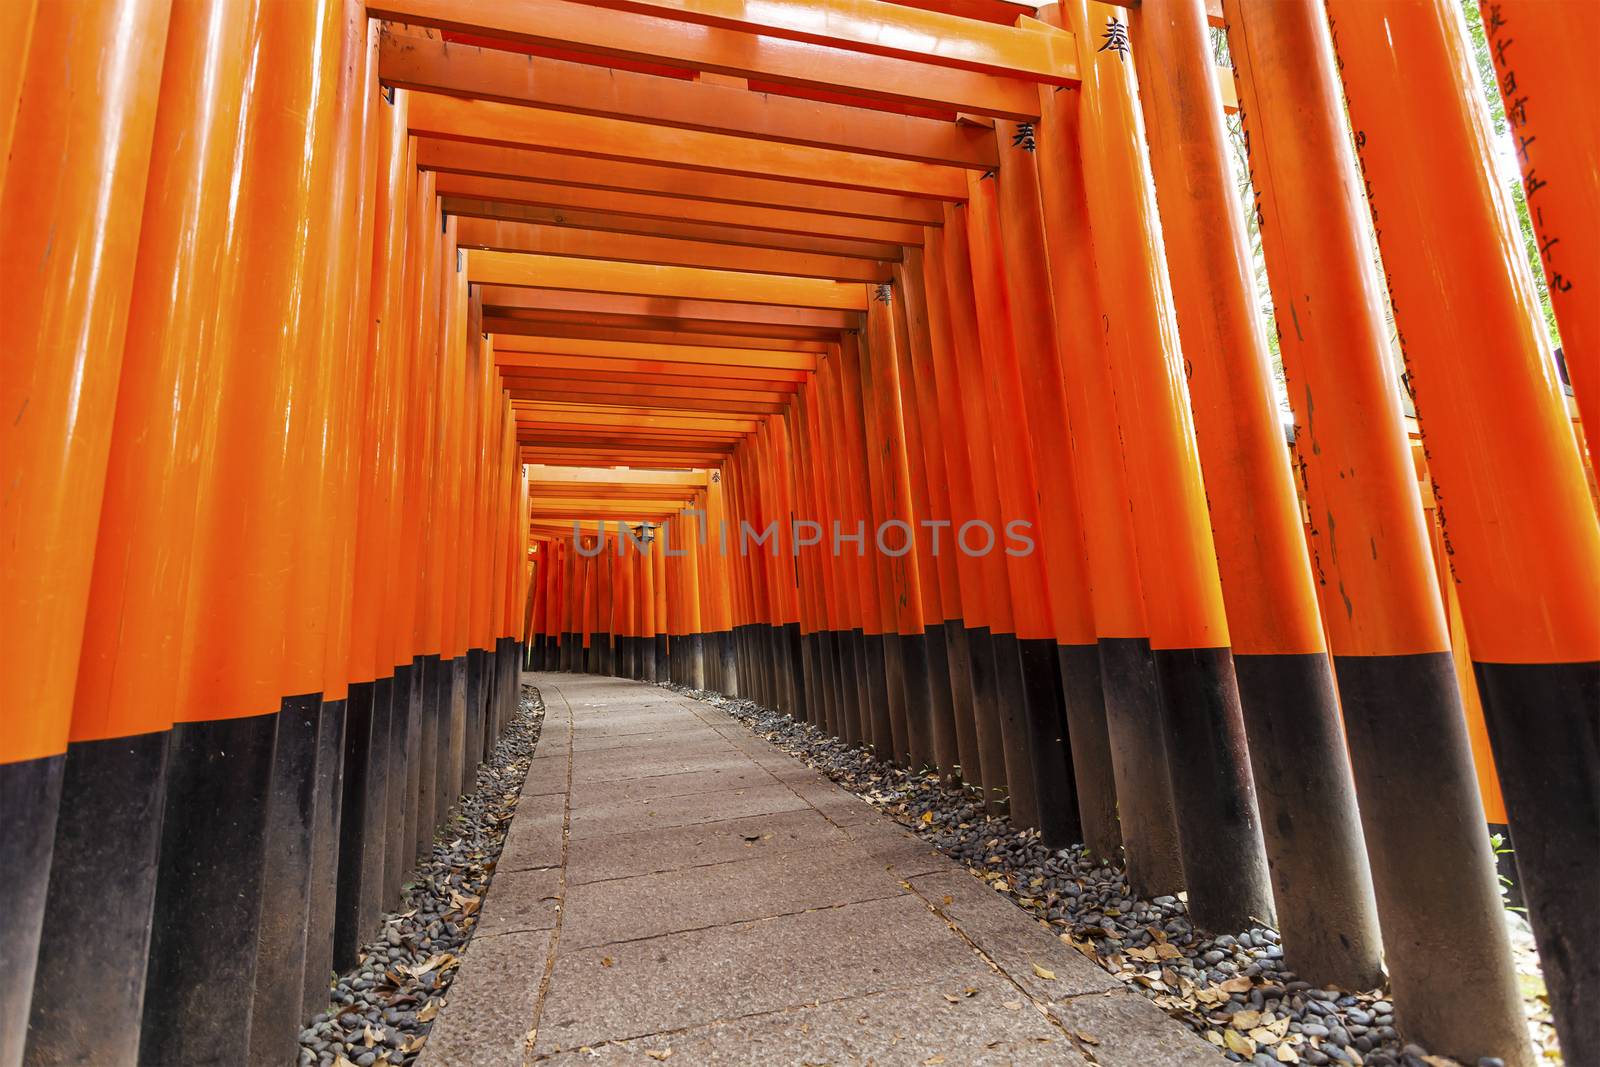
[1047, 975]
[1237, 1042]
[607, 961]
[1245, 1019]
[1262, 1036]
[429, 1010]
[1240, 984]
[927, 816]
[1287, 1054]
[368, 1038]
[1086, 1037]
[1012, 1005]
[658, 1053]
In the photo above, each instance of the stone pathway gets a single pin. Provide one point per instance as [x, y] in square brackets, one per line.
[675, 889]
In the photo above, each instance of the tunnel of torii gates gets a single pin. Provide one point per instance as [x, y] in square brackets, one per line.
[339, 339]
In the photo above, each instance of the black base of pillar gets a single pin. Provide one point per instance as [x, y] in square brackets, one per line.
[397, 861]
[960, 658]
[894, 691]
[88, 989]
[203, 929]
[1011, 689]
[350, 920]
[941, 716]
[1544, 726]
[1139, 759]
[427, 758]
[1432, 869]
[1091, 749]
[1322, 885]
[876, 696]
[286, 884]
[30, 793]
[1049, 741]
[327, 813]
[914, 680]
[1213, 794]
[991, 770]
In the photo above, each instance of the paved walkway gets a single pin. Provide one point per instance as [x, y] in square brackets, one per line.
[673, 882]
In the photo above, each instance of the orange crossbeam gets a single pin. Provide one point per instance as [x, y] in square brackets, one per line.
[641, 279]
[419, 59]
[493, 122]
[656, 206]
[885, 29]
[743, 55]
[510, 353]
[708, 310]
[710, 233]
[588, 364]
[661, 251]
[557, 168]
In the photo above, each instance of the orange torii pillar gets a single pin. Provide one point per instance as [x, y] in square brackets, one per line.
[965, 606]
[825, 601]
[720, 664]
[89, 983]
[1022, 229]
[1321, 881]
[1138, 744]
[786, 600]
[246, 665]
[658, 598]
[1432, 871]
[1224, 860]
[881, 703]
[1508, 480]
[936, 568]
[949, 271]
[894, 540]
[1043, 582]
[327, 344]
[1544, 69]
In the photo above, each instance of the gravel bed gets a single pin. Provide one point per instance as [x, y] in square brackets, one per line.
[1233, 989]
[381, 1012]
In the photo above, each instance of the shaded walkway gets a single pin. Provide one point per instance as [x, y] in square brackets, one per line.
[671, 881]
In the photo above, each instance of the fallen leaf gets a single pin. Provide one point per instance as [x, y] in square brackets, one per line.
[1012, 1005]
[927, 816]
[1241, 984]
[1245, 1019]
[607, 961]
[1262, 1036]
[931, 1060]
[1237, 1042]
[952, 998]
[1287, 1054]
[368, 1038]
[658, 1053]
[1085, 1036]
[428, 1012]
[948, 899]
[1047, 975]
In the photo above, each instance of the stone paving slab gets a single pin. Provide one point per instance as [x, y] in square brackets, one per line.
[653, 850]
[686, 886]
[627, 815]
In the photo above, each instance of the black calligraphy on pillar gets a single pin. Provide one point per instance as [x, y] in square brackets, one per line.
[1116, 38]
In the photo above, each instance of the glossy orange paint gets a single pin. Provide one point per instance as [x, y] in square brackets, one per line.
[1520, 530]
[126, 684]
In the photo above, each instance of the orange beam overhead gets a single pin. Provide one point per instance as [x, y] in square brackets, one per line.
[510, 297]
[589, 364]
[712, 233]
[609, 475]
[657, 206]
[885, 29]
[632, 420]
[514, 378]
[643, 279]
[419, 59]
[515, 322]
[509, 353]
[720, 51]
[616, 139]
[661, 251]
[558, 168]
